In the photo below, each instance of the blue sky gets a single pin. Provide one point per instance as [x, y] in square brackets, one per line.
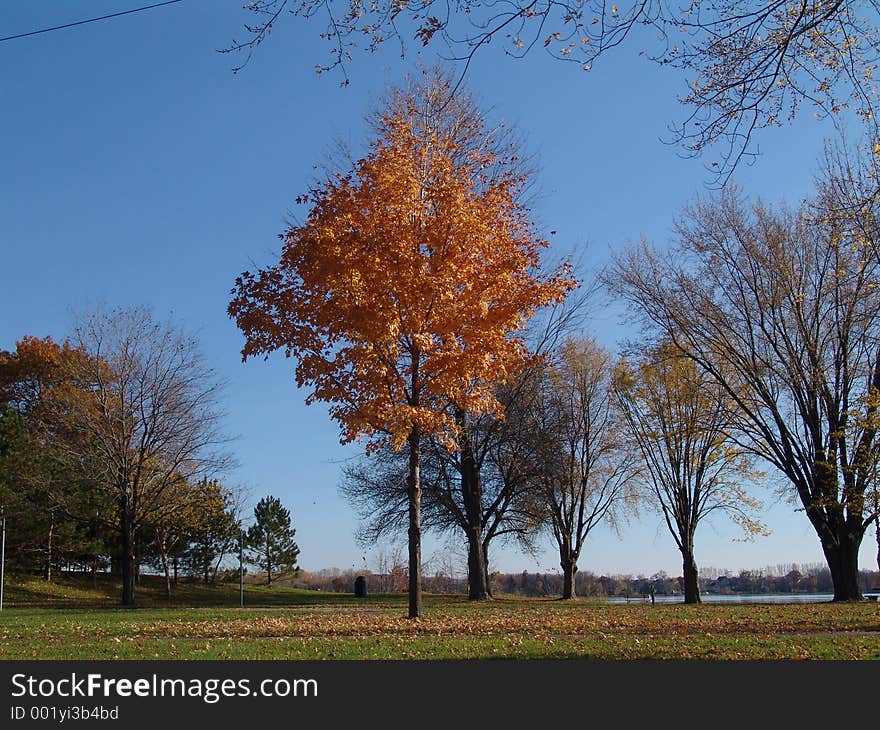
[136, 168]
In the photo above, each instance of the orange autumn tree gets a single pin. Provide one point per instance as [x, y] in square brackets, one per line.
[403, 294]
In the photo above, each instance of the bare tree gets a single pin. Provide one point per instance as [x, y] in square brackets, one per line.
[579, 460]
[782, 310]
[474, 490]
[680, 418]
[148, 419]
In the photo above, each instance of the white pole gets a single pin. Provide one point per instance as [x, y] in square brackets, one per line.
[2, 560]
[241, 568]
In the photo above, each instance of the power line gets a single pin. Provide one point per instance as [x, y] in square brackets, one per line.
[90, 20]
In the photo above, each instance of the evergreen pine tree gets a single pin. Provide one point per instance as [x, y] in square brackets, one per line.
[270, 539]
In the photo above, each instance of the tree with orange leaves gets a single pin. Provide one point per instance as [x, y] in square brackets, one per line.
[33, 370]
[403, 294]
[39, 492]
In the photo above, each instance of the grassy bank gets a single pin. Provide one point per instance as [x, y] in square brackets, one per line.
[72, 591]
[73, 620]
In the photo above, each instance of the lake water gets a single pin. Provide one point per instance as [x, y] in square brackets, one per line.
[732, 598]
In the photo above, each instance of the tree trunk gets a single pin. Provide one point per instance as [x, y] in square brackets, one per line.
[471, 492]
[176, 562]
[478, 587]
[843, 562]
[840, 536]
[569, 576]
[162, 543]
[127, 556]
[877, 536]
[414, 489]
[48, 571]
[486, 568]
[206, 563]
[691, 576]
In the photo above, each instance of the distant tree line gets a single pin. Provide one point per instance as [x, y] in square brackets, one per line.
[801, 579]
[742, 582]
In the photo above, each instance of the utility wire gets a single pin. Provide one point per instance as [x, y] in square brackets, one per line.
[90, 20]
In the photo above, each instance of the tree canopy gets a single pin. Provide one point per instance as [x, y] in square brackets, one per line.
[748, 65]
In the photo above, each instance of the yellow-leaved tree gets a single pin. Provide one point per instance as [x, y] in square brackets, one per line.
[403, 294]
[680, 419]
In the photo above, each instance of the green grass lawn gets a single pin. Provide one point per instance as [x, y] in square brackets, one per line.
[71, 619]
[72, 591]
